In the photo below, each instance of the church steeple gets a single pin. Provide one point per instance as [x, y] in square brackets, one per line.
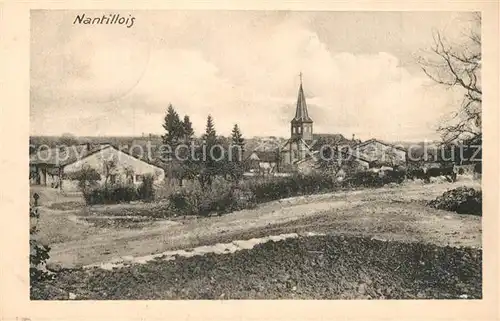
[301, 124]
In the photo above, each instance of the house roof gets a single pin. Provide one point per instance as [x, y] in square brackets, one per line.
[330, 139]
[264, 155]
[65, 155]
[315, 151]
[373, 140]
[301, 114]
[329, 136]
[357, 156]
[295, 139]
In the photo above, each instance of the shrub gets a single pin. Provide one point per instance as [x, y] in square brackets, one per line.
[283, 187]
[398, 175]
[182, 203]
[146, 190]
[110, 194]
[463, 200]
[87, 178]
[39, 253]
[221, 198]
[224, 197]
[365, 179]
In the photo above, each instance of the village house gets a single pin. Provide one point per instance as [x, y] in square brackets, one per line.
[380, 153]
[53, 167]
[263, 162]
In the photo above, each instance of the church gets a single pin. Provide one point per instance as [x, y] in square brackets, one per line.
[302, 150]
[301, 133]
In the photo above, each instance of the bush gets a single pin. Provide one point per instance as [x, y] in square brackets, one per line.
[111, 194]
[365, 179]
[463, 200]
[87, 178]
[398, 175]
[221, 198]
[39, 253]
[283, 187]
[224, 197]
[183, 202]
[146, 190]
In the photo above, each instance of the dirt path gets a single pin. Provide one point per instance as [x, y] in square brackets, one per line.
[387, 213]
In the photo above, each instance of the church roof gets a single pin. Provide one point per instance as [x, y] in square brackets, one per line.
[301, 114]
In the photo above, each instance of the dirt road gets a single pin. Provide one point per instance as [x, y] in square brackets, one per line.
[396, 213]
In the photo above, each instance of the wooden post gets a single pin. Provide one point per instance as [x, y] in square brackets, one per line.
[36, 197]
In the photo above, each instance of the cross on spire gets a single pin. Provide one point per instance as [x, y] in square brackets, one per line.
[301, 114]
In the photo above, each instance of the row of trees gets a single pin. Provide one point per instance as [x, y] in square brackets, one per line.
[188, 157]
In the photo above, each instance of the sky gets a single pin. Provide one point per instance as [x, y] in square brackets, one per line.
[360, 74]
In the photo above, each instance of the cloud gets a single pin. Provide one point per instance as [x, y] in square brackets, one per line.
[121, 81]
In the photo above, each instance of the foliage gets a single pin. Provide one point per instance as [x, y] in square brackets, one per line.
[87, 178]
[237, 140]
[333, 157]
[109, 167]
[224, 197]
[187, 129]
[174, 128]
[210, 135]
[39, 253]
[220, 199]
[112, 194]
[463, 200]
[364, 179]
[68, 139]
[129, 174]
[146, 190]
[234, 167]
[179, 161]
[209, 160]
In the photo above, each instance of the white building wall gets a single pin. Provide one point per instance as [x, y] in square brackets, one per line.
[123, 161]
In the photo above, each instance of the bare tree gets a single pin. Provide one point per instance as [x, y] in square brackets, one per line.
[452, 65]
[109, 169]
[129, 174]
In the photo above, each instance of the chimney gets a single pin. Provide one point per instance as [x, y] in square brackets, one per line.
[88, 146]
[353, 135]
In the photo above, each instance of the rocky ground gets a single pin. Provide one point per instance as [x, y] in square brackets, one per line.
[314, 267]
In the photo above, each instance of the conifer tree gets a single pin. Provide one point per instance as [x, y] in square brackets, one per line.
[210, 136]
[173, 127]
[237, 143]
[188, 129]
[209, 164]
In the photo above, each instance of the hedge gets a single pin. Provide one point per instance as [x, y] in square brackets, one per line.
[115, 194]
[226, 197]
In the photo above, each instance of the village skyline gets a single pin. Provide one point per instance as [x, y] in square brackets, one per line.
[257, 155]
[367, 84]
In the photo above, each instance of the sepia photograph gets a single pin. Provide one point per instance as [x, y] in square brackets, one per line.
[255, 155]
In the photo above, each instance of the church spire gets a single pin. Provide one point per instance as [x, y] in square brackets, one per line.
[301, 114]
